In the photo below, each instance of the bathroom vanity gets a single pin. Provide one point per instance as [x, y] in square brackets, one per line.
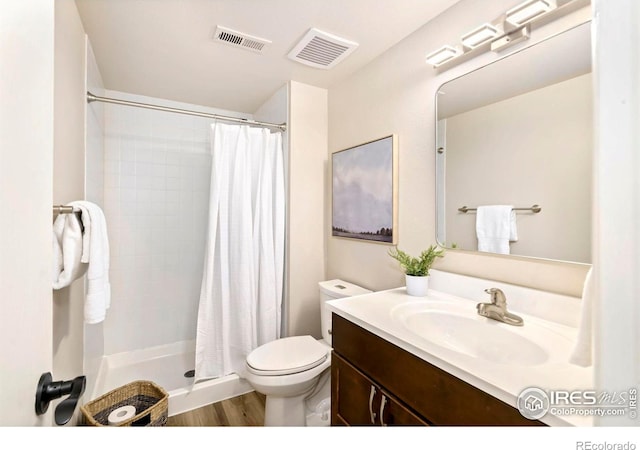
[378, 383]
[402, 360]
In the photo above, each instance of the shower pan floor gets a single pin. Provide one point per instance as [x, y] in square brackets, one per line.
[166, 371]
[166, 366]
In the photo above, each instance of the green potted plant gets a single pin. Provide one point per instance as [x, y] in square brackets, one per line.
[417, 269]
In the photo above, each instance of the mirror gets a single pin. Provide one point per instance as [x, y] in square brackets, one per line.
[519, 132]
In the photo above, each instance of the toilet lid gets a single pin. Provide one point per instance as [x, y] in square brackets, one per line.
[288, 355]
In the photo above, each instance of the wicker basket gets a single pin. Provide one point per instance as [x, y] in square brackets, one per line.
[150, 400]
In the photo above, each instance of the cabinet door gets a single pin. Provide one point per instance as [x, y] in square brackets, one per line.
[393, 413]
[356, 400]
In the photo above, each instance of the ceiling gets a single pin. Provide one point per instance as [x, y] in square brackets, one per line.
[164, 48]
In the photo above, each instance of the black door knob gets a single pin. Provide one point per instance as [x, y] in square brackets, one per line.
[48, 390]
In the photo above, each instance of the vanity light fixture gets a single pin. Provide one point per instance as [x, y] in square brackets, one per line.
[529, 10]
[511, 28]
[510, 39]
[442, 55]
[480, 35]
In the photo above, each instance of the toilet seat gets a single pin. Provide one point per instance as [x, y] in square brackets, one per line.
[287, 356]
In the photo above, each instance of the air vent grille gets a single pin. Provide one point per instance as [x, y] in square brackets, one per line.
[240, 40]
[321, 50]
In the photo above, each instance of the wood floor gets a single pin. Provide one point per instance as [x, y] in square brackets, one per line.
[243, 411]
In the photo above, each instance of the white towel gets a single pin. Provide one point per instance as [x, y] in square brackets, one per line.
[67, 251]
[583, 350]
[95, 252]
[495, 228]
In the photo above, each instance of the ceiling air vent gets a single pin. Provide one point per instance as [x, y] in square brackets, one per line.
[321, 50]
[240, 40]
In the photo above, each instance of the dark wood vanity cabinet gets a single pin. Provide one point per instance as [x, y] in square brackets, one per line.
[374, 382]
[363, 402]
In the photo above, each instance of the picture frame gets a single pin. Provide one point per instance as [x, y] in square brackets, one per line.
[365, 191]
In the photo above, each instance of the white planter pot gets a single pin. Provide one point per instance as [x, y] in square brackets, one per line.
[417, 286]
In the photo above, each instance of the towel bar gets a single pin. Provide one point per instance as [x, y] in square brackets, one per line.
[535, 209]
[64, 209]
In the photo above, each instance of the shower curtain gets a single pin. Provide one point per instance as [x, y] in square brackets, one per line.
[241, 291]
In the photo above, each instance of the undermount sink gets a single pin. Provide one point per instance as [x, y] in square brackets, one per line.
[459, 328]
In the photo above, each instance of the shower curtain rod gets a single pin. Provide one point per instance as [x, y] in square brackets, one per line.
[95, 98]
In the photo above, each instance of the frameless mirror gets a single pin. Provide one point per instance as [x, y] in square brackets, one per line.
[519, 132]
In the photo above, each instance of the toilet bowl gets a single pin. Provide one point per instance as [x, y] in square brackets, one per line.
[294, 372]
[286, 371]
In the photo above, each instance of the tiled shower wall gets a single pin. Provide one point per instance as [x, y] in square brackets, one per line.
[156, 179]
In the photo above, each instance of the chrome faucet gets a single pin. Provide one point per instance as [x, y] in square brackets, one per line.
[497, 309]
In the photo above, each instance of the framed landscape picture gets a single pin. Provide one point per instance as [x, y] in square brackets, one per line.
[364, 191]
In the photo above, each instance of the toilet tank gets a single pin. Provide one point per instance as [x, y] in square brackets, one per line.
[331, 290]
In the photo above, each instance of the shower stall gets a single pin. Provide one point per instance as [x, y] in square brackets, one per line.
[149, 169]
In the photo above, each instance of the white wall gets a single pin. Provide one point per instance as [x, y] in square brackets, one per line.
[68, 177]
[304, 108]
[534, 148]
[276, 110]
[306, 205]
[395, 94]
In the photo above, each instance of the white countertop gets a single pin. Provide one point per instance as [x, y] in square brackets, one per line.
[502, 380]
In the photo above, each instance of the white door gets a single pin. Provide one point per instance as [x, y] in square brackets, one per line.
[26, 168]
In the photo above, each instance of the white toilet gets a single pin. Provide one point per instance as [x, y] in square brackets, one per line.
[294, 372]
